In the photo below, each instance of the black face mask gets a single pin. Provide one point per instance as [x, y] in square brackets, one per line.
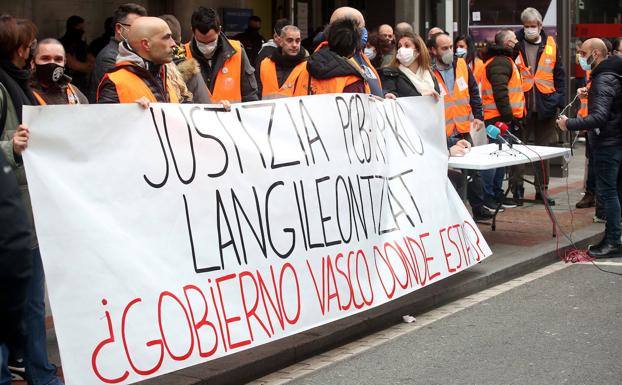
[50, 73]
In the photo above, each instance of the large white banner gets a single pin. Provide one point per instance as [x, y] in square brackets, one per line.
[182, 233]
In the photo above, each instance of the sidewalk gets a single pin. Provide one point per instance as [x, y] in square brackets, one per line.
[522, 243]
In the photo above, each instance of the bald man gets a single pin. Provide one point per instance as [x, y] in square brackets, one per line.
[402, 28]
[140, 72]
[604, 126]
[368, 70]
[433, 31]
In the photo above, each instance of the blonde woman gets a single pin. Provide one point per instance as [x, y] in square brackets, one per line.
[410, 73]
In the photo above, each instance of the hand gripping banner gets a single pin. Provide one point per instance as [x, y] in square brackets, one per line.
[179, 234]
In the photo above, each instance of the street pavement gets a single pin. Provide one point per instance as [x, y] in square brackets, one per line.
[563, 328]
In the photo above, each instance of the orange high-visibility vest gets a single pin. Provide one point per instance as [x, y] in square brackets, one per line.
[583, 112]
[334, 85]
[543, 79]
[227, 85]
[72, 96]
[130, 87]
[477, 67]
[270, 83]
[515, 93]
[457, 102]
[364, 57]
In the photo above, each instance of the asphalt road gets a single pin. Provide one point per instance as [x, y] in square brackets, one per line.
[563, 328]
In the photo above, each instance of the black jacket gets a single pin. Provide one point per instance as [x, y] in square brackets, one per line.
[326, 64]
[498, 73]
[223, 52]
[546, 105]
[15, 254]
[397, 83]
[604, 104]
[474, 99]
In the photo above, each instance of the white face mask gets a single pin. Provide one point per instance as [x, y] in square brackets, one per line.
[448, 57]
[532, 33]
[370, 53]
[406, 56]
[207, 49]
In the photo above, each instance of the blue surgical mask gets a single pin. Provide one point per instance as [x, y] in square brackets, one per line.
[461, 52]
[584, 64]
[364, 36]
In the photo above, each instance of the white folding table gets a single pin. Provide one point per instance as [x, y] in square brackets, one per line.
[491, 156]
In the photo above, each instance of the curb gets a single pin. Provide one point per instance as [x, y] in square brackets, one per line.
[257, 362]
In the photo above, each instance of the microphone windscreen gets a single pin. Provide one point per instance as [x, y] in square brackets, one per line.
[492, 131]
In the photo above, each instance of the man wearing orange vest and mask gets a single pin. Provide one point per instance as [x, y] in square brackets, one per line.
[503, 101]
[282, 74]
[227, 72]
[543, 77]
[463, 107]
[332, 68]
[140, 72]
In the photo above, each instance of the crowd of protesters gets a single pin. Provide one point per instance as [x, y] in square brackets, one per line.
[518, 80]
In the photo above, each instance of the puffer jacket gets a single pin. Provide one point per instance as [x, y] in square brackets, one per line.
[498, 72]
[396, 82]
[326, 64]
[604, 103]
[546, 105]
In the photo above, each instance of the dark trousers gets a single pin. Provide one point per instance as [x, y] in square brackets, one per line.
[472, 180]
[545, 134]
[607, 167]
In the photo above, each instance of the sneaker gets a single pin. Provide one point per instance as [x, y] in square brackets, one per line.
[587, 201]
[491, 205]
[508, 203]
[605, 250]
[482, 214]
[17, 369]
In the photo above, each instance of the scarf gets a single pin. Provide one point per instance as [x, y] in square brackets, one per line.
[17, 83]
[422, 80]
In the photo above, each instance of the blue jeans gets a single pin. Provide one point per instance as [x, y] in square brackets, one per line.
[39, 371]
[492, 183]
[607, 162]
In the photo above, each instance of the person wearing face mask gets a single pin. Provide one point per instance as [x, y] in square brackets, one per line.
[373, 50]
[461, 92]
[283, 73]
[372, 79]
[140, 72]
[604, 127]
[465, 48]
[49, 83]
[543, 77]
[79, 60]
[332, 67]
[226, 69]
[463, 107]
[503, 101]
[123, 17]
[17, 42]
[409, 74]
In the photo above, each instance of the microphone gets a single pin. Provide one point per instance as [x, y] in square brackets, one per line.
[505, 129]
[493, 132]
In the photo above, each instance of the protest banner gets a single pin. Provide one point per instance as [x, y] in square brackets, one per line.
[178, 234]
